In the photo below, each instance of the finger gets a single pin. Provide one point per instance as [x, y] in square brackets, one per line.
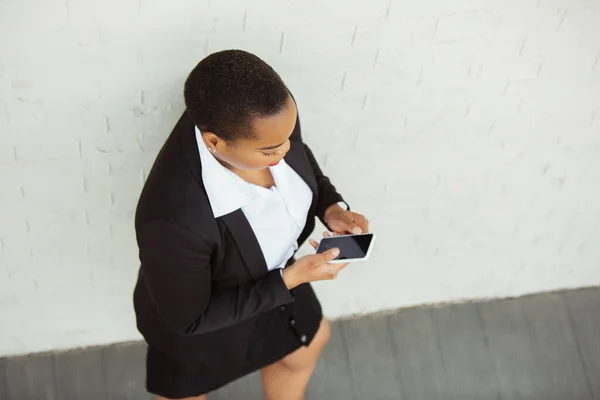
[326, 234]
[355, 223]
[331, 271]
[343, 223]
[336, 268]
[355, 229]
[361, 222]
[339, 267]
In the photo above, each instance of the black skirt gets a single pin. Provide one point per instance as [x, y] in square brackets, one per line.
[277, 333]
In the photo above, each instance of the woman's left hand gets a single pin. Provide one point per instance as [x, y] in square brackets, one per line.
[343, 222]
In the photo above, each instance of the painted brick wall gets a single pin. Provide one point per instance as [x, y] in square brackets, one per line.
[467, 131]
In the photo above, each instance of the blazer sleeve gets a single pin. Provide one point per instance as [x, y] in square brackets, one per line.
[175, 264]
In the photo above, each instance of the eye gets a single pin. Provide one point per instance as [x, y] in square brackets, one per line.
[268, 154]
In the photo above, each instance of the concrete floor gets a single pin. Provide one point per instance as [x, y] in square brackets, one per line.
[542, 347]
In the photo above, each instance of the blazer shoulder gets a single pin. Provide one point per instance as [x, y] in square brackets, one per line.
[172, 191]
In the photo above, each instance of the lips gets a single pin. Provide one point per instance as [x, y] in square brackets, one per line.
[274, 164]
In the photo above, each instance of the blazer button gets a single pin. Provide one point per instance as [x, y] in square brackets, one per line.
[303, 339]
[293, 322]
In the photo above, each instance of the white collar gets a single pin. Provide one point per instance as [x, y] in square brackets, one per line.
[226, 191]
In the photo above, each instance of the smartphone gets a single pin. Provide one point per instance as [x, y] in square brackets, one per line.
[353, 248]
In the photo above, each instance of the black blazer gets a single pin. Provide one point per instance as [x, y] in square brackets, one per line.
[203, 282]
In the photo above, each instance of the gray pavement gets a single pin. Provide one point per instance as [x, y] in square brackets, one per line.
[542, 347]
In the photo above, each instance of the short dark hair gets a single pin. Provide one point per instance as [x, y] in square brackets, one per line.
[228, 89]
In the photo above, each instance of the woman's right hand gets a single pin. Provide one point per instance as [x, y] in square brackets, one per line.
[314, 267]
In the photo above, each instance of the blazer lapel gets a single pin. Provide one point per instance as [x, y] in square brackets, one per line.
[249, 248]
[236, 222]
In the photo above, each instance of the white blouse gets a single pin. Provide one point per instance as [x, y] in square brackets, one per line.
[277, 215]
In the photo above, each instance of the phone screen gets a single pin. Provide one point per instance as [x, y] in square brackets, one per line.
[354, 246]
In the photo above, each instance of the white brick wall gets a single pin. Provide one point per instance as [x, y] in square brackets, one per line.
[467, 131]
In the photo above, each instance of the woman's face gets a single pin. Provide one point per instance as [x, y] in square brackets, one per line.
[269, 146]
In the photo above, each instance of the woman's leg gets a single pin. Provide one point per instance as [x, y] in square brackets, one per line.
[203, 397]
[287, 378]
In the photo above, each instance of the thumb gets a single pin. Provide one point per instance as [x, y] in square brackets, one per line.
[330, 255]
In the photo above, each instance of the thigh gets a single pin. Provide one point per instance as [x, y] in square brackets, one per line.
[307, 357]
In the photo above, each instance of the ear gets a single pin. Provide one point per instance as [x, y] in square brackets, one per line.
[213, 142]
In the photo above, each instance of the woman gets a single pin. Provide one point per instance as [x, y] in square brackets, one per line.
[231, 195]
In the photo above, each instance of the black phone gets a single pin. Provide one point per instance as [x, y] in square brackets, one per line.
[353, 248]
